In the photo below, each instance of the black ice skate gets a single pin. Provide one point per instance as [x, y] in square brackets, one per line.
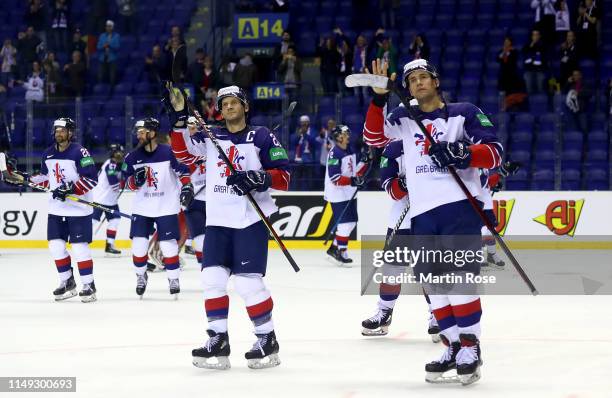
[88, 294]
[434, 371]
[175, 287]
[141, 284]
[469, 359]
[264, 353]
[378, 325]
[66, 289]
[110, 251]
[214, 354]
[189, 250]
[338, 256]
[433, 330]
[494, 261]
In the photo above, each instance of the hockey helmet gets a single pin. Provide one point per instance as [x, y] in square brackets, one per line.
[418, 64]
[148, 123]
[114, 148]
[64, 122]
[231, 91]
[339, 130]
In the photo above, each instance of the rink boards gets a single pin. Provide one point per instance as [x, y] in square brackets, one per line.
[571, 219]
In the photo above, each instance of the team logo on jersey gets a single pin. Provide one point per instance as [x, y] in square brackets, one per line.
[151, 178]
[58, 173]
[561, 217]
[422, 142]
[502, 210]
[234, 156]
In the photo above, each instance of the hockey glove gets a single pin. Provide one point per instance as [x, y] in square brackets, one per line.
[63, 190]
[444, 154]
[15, 177]
[358, 182]
[187, 195]
[140, 176]
[244, 182]
[174, 102]
[366, 156]
[509, 168]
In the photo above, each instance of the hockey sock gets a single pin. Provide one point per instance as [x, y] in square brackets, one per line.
[169, 249]
[390, 292]
[341, 242]
[467, 312]
[343, 232]
[216, 300]
[111, 231]
[443, 312]
[140, 247]
[198, 246]
[57, 247]
[257, 299]
[82, 255]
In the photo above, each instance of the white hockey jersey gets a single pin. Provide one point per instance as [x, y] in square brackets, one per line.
[109, 184]
[341, 166]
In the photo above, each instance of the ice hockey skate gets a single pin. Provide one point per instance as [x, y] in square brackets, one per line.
[494, 261]
[141, 284]
[433, 330]
[88, 294]
[110, 251]
[338, 257]
[469, 359]
[215, 352]
[435, 371]
[66, 289]
[264, 353]
[189, 250]
[377, 325]
[175, 287]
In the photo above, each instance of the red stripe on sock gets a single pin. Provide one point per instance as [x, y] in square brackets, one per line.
[441, 313]
[342, 239]
[198, 255]
[171, 260]
[467, 308]
[261, 308]
[216, 303]
[110, 233]
[85, 264]
[62, 262]
[142, 259]
[386, 288]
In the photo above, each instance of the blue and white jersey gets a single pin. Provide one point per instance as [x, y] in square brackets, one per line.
[254, 148]
[159, 196]
[109, 184]
[341, 166]
[430, 186]
[73, 165]
[391, 169]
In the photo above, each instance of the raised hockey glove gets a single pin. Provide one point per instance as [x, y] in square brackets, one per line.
[444, 154]
[174, 102]
[509, 168]
[244, 182]
[140, 176]
[358, 182]
[187, 195]
[366, 156]
[63, 190]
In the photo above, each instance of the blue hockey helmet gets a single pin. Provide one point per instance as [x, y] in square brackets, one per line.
[231, 91]
[418, 64]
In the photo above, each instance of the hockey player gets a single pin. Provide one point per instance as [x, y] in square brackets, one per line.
[110, 184]
[343, 176]
[68, 169]
[491, 183]
[465, 139]
[196, 212]
[236, 239]
[154, 173]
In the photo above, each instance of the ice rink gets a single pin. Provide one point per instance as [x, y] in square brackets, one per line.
[545, 346]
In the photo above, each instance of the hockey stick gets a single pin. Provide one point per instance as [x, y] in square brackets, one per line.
[104, 214]
[232, 169]
[288, 113]
[383, 82]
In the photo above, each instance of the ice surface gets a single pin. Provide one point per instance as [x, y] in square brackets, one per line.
[545, 346]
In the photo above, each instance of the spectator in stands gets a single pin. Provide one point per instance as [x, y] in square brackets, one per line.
[534, 63]
[245, 73]
[35, 84]
[28, 45]
[290, 72]
[210, 78]
[78, 44]
[360, 62]
[8, 53]
[388, 11]
[545, 19]
[226, 70]
[155, 65]
[108, 50]
[346, 59]
[329, 68]
[98, 13]
[508, 75]
[387, 52]
[175, 32]
[127, 21]
[75, 73]
[195, 71]
[281, 48]
[562, 20]
[36, 17]
[302, 144]
[60, 20]
[176, 60]
[209, 109]
[325, 142]
[586, 25]
[53, 78]
[569, 57]
[419, 47]
[577, 100]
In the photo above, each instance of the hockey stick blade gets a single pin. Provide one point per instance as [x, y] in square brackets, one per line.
[368, 80]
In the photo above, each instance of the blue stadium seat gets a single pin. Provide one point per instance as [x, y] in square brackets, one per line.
[571, 159]
[538, 103]
[489, 103]
[113, 109]
[597, 155]
[324, 24]
[487, 6]
[350, 105]
[598, 121]
[327, 8]
[464, 20]
[101, 90]
[507, 7]
[116, 130]
[355, 119]
[548, 121]
[423, 21]
[523, 157]
[570, 180]
[143, 88]
[519, 181]
[454, 37]
[444, 21]
[543, 180]
[572, 139]
[259, 120]
[122, 89]
[520, 140]
[544, 158]
[472, 70]
[524, 121]
[598, 138]
[596, 179]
